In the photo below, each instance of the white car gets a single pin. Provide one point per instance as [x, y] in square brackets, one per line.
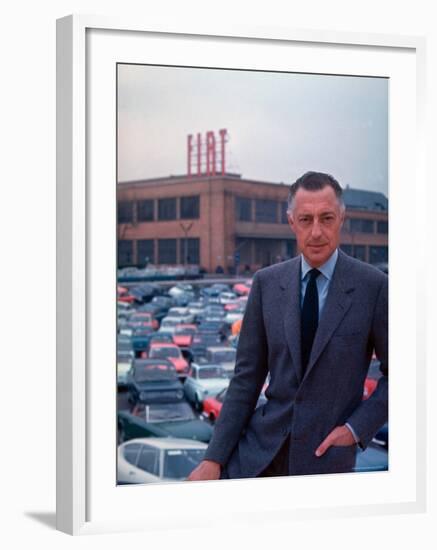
[181, 313]
[232, 316]
[225, 356]
[169, 324]
[205, 380]
[228, 298]
[123, 367]
[158, 459]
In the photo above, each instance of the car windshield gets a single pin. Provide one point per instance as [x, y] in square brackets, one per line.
[162, 337]
[143, 318]
[169, 322]
[224, 356]
[143, 373]
[179, 463]
[166, 412]
[211, 372]
[185, 331]
[162, 353]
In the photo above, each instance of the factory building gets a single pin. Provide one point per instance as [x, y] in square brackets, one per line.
[219, 221]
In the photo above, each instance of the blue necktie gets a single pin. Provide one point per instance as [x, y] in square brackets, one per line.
[309, 317]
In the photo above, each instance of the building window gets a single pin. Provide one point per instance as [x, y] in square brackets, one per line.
[243, 209]
[145, 252]
[378, 254]
[290, 248]
[265, 211]
[192, 251]
[359, 225]
[357, 251]
[125, 212]
[125, 253]
[382, 227]
[145, 211]
[284, 208]
[167, 209]
[190, 208]
[167, 251]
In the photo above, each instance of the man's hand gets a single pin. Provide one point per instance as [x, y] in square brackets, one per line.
[340, 436]
[207, 470]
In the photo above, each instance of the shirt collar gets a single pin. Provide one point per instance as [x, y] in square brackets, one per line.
[327, 269]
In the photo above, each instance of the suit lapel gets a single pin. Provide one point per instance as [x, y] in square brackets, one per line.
[290, 306]
[338, 302]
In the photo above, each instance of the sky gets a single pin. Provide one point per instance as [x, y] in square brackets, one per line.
[280, 125]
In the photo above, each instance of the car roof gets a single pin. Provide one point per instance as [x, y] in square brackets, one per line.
[163, 345]
[169, 443]
[220, 348]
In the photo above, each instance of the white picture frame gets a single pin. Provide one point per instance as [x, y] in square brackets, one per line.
[86, 500]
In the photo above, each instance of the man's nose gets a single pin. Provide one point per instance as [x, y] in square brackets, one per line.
[316, 230]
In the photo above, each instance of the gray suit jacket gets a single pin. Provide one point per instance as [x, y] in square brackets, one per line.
[307, 407]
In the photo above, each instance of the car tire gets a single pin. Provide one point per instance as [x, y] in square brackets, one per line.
[197, 404]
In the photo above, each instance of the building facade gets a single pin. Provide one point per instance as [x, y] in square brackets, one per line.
[227, 222]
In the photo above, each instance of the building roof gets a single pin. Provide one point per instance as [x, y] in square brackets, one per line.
[358, 199]
[365, 200]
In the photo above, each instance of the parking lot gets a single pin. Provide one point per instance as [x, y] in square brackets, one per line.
[176, 352]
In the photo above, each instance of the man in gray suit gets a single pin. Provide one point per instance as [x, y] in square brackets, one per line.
[312, 324]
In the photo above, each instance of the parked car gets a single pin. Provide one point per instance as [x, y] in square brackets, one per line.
[181, 313]
[161, 337]
[169, 324]
[173, 419]
[123, 367]
[151, 380]
[204, 380]
[162, 350]
[228, 298]
[225, 356]
[183, 335]
[142, 319]
[158, 459]
[124, 345]
[242, 289]
[373, 459]
[123, 295]
[213, 405]
[140, 339]
[381, 438]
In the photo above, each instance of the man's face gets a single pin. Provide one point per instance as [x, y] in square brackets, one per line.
[316, 221]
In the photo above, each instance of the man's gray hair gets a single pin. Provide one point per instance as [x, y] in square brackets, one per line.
[315, 181]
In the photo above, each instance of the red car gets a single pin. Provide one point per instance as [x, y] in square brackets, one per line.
[242, 289]
[142, 319]
[373, 375]
[172, 352]
[123, 295]
[369, 387]
[183, 335]
[213, 405]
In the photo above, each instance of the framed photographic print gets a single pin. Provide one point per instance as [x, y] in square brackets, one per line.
[175, 149]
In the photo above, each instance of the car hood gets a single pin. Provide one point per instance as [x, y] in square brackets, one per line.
[187, 429]
[214, 385]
